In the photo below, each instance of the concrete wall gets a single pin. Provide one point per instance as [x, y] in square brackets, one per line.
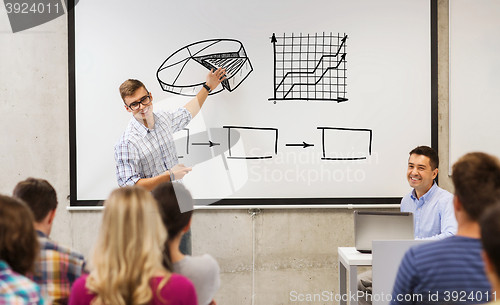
[295, 250]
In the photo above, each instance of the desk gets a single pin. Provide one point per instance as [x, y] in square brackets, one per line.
[349, 260]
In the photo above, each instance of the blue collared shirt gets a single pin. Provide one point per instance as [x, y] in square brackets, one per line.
[145, 153]
[433, 213]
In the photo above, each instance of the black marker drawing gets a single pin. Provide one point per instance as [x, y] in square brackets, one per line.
[184, 71]
[231, 139]
[180, 154]
[368, 145]
[210, 144]
[304, 145]
[309, 67]
[200, 154]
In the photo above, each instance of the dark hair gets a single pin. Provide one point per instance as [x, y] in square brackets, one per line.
[476, 177]
[428, 152]
[18, 240]
[490, 230]
[169, 197]
[40, 196]
[128, 87]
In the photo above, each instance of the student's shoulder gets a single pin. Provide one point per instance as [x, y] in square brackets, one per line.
[80, 282]
[177, 290]
[205, 258]
[49, 244]
[441, 248]
[202, 262]
[79, 292]
[209, 260]
[443, 194]
[176, 282]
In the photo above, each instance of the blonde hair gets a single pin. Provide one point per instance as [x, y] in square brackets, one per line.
[129, 249]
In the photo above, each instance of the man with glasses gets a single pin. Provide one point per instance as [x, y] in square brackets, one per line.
[145, 154]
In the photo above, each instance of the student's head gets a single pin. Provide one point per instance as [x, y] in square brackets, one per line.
[137, 98]
[41, 197]
[490, 231]
[129, 248]
[18, 241]
[422, 168]
[476, 178]
[169, 196]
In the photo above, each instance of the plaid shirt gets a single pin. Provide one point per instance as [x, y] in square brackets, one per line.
[145, 153]
[56, 268]
[16, 289]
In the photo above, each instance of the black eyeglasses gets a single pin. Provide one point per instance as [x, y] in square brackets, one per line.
[145, 100]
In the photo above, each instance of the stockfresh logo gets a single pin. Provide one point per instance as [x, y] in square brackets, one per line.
[25, 15]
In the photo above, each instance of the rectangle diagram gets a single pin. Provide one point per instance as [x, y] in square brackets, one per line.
[252, 142]
[346, 144]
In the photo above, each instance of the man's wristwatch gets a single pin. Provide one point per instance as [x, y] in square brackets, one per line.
[207, 87]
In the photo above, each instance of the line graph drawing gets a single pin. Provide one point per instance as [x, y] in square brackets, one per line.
[310, 67]
[177, 74]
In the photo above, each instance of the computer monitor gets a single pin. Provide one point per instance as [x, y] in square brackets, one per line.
[369, 226]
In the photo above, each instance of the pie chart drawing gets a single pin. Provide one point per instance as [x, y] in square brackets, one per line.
[184, 71]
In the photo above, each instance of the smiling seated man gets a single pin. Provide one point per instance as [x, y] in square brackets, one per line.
[432, 206]
[450, 271]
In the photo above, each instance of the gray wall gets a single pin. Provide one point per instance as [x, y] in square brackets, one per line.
[295, 250]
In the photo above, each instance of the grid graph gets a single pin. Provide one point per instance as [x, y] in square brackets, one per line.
[310, 67]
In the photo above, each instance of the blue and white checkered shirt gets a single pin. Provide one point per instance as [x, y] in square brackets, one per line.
[145, 153]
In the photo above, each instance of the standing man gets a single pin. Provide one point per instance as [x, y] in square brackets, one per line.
[145, 155]
[432, 206]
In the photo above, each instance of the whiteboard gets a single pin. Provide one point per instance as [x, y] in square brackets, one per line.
[474, 79]
[324, 100]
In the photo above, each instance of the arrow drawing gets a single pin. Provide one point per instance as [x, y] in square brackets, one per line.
[210, 143]
[304, 145]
